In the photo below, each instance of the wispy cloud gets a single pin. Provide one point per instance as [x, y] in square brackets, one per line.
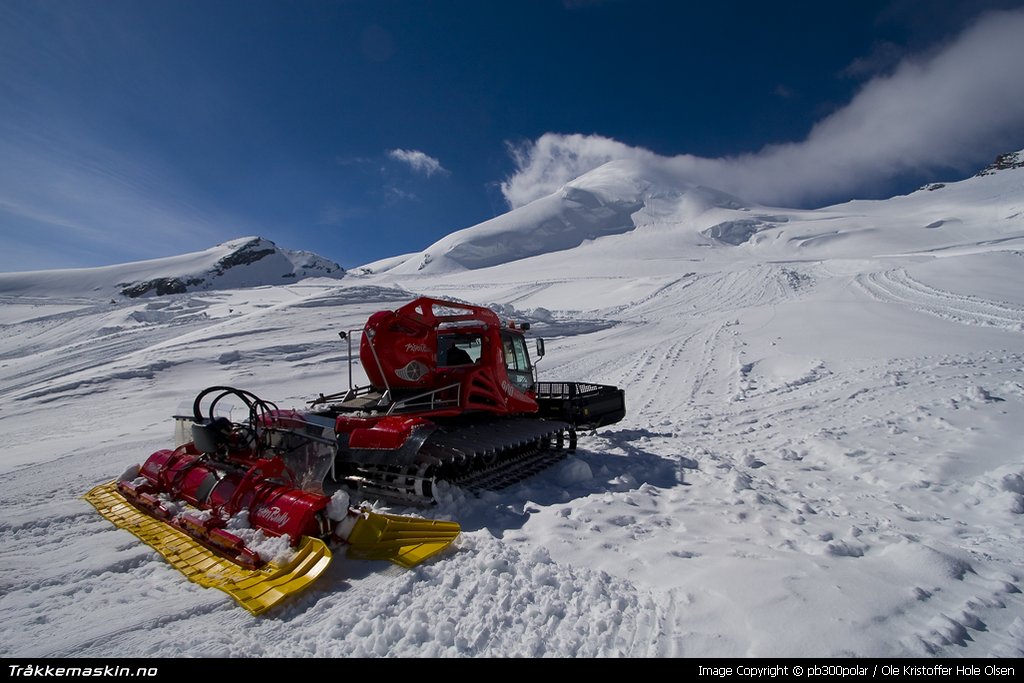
[63, 194]
[954, 108]
[353, 160]
[783, 91]
[393, 193]
[76, 185]
[338, 215]
[883, 58]
[418, 161]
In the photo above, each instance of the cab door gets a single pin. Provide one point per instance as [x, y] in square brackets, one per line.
[517, 360]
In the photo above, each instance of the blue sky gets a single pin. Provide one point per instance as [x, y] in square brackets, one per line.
[133, 129]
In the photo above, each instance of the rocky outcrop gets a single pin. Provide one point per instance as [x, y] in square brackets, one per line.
[1004, 162]
[245, 262]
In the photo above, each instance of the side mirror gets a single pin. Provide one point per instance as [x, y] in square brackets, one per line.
[540, 347]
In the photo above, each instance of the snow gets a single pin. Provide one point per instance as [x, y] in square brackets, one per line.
[243, 262]
[821, 454]
[337, 509]
[276, 549]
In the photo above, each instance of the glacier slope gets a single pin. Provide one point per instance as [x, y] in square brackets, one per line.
[822, 453]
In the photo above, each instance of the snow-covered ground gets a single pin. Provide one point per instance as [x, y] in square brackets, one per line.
[823, 453]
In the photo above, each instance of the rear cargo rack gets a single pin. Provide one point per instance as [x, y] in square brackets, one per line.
[582, 404]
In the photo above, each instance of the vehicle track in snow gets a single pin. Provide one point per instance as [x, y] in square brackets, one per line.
[821, 484]
[72, 354]
[703, 345]
[818, 425]
[40, 368]
[897, 286]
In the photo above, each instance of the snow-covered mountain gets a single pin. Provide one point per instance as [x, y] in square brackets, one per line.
[652, 216]
[242, 262]
[822, 453]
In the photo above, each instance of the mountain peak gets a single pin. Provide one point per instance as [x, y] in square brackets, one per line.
[242, 262]
[617, 197]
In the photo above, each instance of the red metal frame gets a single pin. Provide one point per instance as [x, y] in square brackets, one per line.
[400, 353]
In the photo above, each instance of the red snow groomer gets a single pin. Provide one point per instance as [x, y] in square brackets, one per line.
[453, 398]
[240, 503]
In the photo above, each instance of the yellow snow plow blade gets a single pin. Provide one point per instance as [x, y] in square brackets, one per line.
[406, 541]
[257, 590]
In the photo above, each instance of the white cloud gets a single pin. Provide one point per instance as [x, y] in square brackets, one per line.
[418, 161]
[955, 108]
[553, 159]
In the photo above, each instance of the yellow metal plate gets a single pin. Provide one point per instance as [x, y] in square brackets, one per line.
[256, 590]
[406, 541]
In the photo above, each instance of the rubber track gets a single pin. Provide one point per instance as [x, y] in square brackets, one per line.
[489, 455]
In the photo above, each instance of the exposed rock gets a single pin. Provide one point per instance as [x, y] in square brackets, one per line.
[159, 286]
[1004, 162]
[245, 262]
[246, 254]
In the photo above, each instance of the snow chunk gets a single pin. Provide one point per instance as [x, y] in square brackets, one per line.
[740, 481]
[337, 509]
[574, 471]
[229, 357]
[273, 549]
[129, 474]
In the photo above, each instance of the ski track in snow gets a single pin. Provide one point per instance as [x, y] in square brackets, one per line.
[759, 500]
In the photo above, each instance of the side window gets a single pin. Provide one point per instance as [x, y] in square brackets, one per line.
[509, 353]
[522, 358]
